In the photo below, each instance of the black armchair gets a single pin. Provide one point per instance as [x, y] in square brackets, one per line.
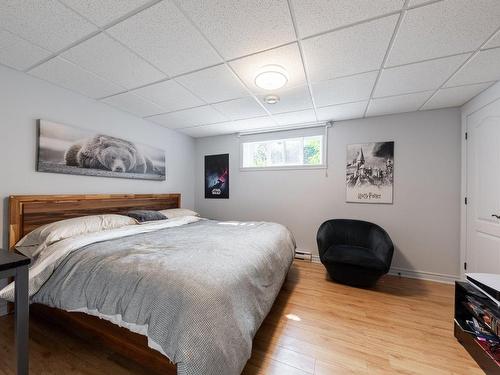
[354, 252]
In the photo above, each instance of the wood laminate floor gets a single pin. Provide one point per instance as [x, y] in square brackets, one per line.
[402, 326]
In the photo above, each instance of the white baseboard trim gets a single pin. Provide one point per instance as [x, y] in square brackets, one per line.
[413, 274]
[424, 275]
[3, 308]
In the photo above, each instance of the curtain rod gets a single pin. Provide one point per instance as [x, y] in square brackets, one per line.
[285, 128]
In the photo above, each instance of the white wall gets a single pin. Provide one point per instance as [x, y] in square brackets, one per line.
[24, 99]
[424, 221]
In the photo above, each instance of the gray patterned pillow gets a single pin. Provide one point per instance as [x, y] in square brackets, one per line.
[143, 216]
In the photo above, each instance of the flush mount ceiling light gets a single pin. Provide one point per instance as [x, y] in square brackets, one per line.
[272, 99]
[271, 77]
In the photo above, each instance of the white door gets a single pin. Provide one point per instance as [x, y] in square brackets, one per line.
[483, 190]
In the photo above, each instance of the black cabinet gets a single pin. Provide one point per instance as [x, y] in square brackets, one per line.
[477, 327]
[16, 266]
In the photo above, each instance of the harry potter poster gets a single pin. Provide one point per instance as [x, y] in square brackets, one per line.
[370, 172]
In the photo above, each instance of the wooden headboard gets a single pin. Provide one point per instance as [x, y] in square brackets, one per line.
[27, 212]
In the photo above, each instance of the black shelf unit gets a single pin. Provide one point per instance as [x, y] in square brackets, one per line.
[465, 334]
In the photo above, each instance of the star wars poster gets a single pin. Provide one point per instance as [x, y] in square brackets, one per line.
[370, 172]
[217, 176]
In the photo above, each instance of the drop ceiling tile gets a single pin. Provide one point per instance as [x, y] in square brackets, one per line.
[295, 117]
[241, 27]
[444, 28]
[103, 12]
[494, 42]
[483, 67]
[421, 76]
[189, 117]
[455, 96]
[18, 53]
[352, 50]
[230, 127]
[214, 84]
[169, 95]
[316, 16]
[344, 90]
[342, 111]
[162, 35]
[264, 122]
[294, 99]
[397, 104]
[417, 2]
[287, 57]
[239, 109]
[47, 23]
[207, 130]
[134, 104]
[107, 58]
[71, 76]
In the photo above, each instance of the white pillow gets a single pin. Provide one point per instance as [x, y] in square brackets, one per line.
[39, 239]
[178, 212]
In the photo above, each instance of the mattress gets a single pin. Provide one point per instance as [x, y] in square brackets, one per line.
[198, 289]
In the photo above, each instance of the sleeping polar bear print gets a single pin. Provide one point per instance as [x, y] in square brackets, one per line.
[108, 153]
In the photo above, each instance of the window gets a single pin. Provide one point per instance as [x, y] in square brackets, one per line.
[304, 151]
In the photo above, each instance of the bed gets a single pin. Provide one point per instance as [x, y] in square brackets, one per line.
[184, 296]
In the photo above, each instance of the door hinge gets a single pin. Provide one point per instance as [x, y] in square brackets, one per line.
[465, 266]
[466, 200]
[466, 136]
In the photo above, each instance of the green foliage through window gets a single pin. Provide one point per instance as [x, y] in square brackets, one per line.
[312, 151]
[288, 152]
[259, 157]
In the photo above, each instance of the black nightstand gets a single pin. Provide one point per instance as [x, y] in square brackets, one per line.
[16, 265]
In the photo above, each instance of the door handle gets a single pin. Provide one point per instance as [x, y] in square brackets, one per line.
[496, 216]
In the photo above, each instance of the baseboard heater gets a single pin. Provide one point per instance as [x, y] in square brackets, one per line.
[303, 255]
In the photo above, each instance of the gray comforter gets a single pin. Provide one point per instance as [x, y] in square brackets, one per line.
[202, 289]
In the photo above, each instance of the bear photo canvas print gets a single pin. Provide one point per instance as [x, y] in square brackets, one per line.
[64, 149]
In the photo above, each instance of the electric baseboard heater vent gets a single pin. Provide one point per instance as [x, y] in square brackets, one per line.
[303, 255]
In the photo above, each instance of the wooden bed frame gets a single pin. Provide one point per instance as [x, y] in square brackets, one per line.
[27, 212]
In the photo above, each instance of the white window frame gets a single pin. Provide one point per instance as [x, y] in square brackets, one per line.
[278, 137]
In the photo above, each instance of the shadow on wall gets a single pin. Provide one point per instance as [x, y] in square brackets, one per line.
[5, 227]
[400, 259]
